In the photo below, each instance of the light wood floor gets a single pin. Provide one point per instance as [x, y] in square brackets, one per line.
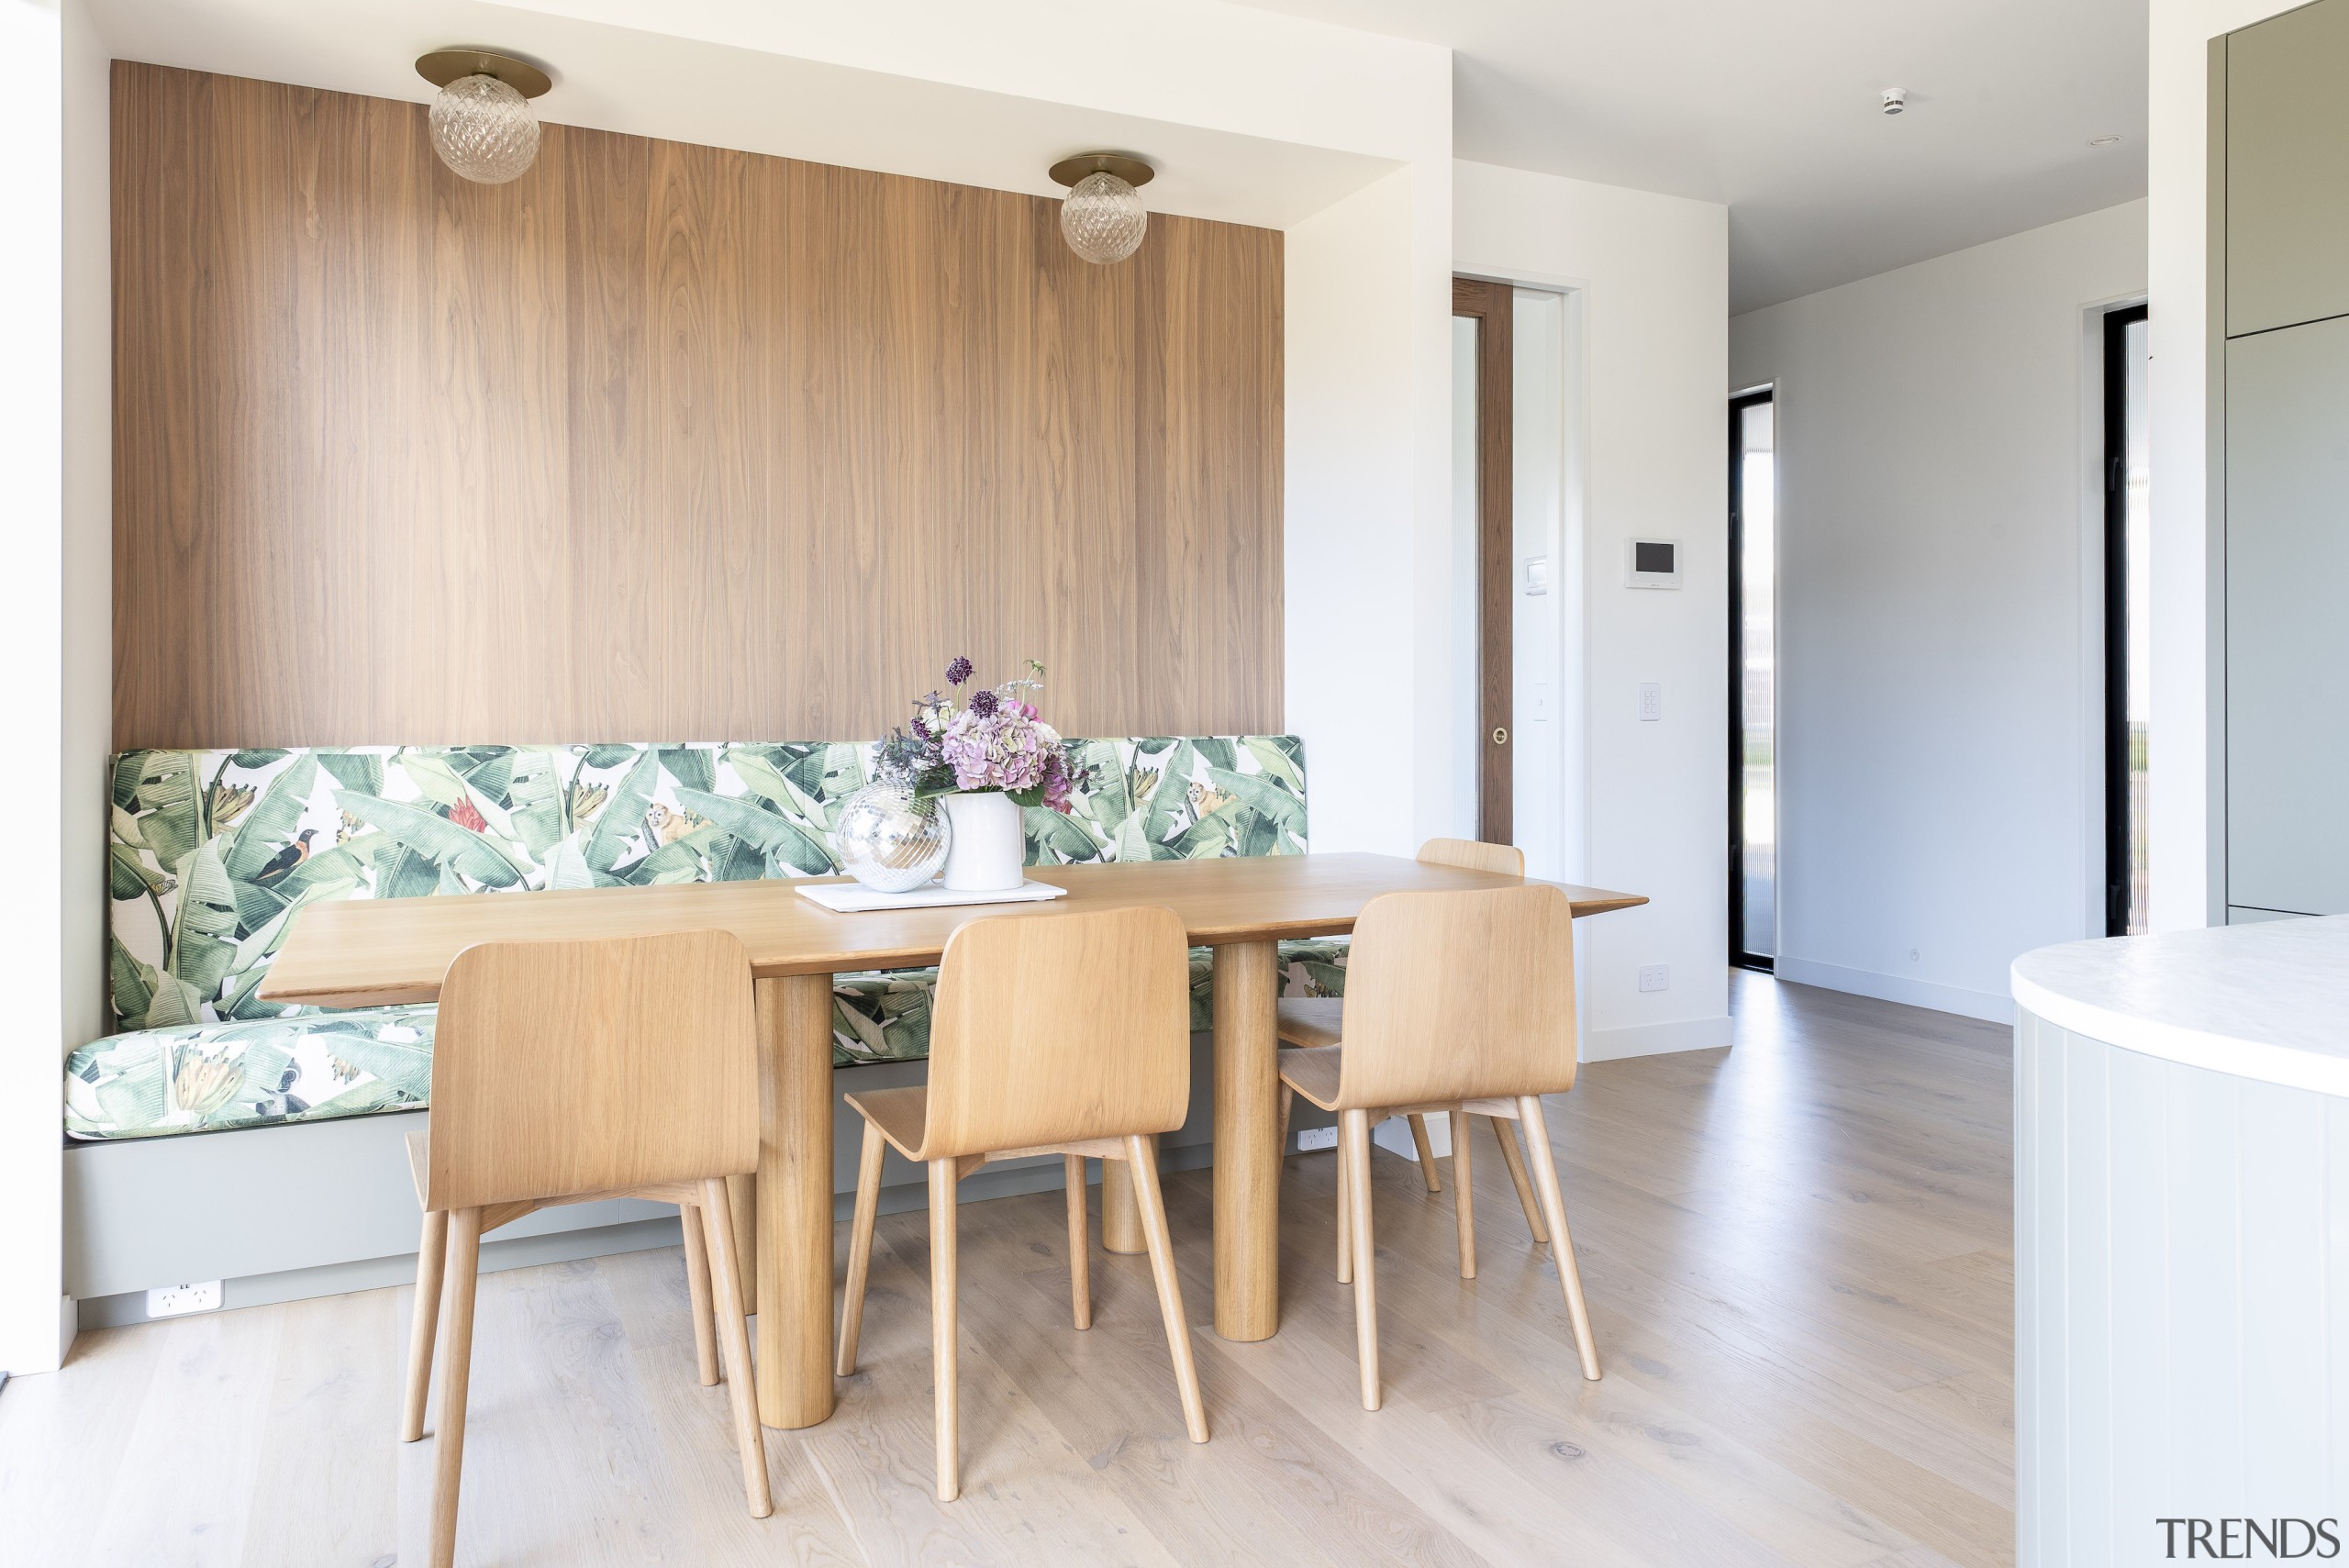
[1797, 1254]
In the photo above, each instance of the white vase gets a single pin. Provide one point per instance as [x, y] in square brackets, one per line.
[988, 852]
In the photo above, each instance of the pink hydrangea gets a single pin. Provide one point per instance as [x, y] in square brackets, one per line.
[1008, 749]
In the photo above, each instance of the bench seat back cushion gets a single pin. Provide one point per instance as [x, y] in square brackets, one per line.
[211, 853]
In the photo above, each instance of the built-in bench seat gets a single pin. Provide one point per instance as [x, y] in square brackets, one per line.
[212, 854]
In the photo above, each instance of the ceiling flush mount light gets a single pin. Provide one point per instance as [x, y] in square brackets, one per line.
[482, 123]
[1894, 100]
[1101, 217]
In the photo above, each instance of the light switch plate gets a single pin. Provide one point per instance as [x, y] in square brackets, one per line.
[1651, 702]
[1537, 575]
[179, 1300]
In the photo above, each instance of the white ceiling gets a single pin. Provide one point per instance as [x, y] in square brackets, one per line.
[646, 80]
[1774, 110]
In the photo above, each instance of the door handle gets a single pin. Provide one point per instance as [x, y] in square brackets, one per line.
[1501, 736]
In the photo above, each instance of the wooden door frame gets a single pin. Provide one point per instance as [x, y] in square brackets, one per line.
[1489, 305]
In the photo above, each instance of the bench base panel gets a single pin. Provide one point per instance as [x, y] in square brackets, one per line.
[319, 1209]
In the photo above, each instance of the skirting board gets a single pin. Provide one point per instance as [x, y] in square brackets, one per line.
[1656, 1039]
[1993, 1006]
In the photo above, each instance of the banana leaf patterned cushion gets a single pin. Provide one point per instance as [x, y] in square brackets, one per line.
[194, 1078]
[210, 854]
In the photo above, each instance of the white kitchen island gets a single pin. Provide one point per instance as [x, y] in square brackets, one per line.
[2182, 1242]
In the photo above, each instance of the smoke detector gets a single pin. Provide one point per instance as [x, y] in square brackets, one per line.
[1894, 100]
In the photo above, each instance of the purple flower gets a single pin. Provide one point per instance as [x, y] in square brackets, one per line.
[1056, 781]
[982, 702]
[958, 672]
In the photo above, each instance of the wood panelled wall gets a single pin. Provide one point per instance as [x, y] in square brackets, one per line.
[661, 441]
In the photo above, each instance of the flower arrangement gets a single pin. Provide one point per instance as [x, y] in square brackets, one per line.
[993, 741]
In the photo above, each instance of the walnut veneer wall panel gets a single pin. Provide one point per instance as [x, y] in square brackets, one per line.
[660, 441]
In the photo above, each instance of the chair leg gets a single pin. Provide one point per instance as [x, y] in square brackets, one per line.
[1289, 1103]
[942, 1326]
[456, 1375]
[1080, 1242]
[1464, 1192]
[1144, 1160]
[696, 1235]
[716, 1221]
[1426, 1152]
[1345, 1208]
[431, 1254]
[742, 1196]
[1354, 1132]
[860, 1248]
[1545, 1178]
[1516, 1164]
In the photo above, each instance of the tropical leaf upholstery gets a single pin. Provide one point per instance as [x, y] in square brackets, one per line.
[194, 1076]
[211, 854]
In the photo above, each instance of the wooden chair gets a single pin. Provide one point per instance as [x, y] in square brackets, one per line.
[568, 1071]
[1312, 1021]
[1459, 1002]
[1050, 1034]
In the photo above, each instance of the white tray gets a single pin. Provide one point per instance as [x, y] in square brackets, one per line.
[854, 898]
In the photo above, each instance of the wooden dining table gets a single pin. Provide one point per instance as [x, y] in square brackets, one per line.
[370, 953]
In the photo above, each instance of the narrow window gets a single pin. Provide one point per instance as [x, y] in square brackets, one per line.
[2127, 605]
[1753, 681]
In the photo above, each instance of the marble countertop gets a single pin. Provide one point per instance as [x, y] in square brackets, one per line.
[2269, 1002]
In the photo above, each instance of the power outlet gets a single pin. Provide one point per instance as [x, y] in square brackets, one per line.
[1655, 977]
[1651, 702]
[1312, 1139]
[179, 1300]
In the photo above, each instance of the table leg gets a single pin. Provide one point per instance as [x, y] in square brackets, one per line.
[795, 1204]
[1120, 1215]
[1247, 1141]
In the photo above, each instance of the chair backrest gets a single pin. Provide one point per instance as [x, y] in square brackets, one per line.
[593, 1066]
[1459, 995]
[1049, 1029]
[1474, 854]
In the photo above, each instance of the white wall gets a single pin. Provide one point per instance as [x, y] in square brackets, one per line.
[1548, 769]
[2186, 839]
[1939, 680]
[1650, 282]
[58, 209]
[1366, 527]
[88, 562]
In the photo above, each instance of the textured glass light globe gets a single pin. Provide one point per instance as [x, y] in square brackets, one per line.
[483, 129]
[1102, 220]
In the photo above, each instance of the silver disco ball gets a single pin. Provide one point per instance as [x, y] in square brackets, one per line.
[890, 840]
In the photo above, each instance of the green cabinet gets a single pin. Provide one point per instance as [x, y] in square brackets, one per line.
[2280, 211]
[2287, 170]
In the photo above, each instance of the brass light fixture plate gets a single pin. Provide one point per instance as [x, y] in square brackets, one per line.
[1132, 171]
[443, 66]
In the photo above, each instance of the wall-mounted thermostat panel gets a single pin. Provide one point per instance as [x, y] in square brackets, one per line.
[1651, 563]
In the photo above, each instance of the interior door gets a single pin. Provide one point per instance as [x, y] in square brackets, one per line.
[1487, 305]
